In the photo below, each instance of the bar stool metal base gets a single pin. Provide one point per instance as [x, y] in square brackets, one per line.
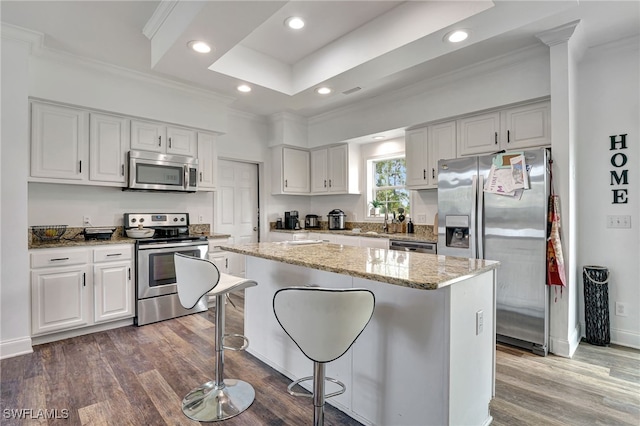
[211, 403]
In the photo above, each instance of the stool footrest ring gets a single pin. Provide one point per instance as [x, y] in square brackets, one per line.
[233, 348]
[310, 395]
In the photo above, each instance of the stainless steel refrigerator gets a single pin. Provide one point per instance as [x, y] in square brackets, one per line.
[474, 223]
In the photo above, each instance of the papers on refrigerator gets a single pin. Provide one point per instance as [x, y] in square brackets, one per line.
[508, 176]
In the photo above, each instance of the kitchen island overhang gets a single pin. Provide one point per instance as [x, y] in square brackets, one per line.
[428, 354]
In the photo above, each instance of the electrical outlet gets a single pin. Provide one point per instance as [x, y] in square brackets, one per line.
[200, 218]
[479, 322]
[621, 309]
[422, 218]
[86, 221]
[618, 221]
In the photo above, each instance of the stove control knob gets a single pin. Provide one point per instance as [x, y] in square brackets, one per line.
[175, 219]
[133, 220]
[182, 219]
[141, 220]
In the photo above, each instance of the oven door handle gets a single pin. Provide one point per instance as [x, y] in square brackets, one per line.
[177, 244]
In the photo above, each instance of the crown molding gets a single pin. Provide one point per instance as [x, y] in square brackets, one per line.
[115, 70]
[33, 39]
[288, 116]
[558, 35]
[440, 82]
[161, 13]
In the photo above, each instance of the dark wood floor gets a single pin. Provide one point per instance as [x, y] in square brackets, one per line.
[138, 376]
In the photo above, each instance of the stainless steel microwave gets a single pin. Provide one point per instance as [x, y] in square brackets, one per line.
[151, 171]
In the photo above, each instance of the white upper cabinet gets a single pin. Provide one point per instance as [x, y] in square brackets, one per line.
[59, 148]
[207, 161]
[520, 127]
[108, 147]
[182, 141]
[319, 177]
[424, 147]
[479, 134]
[527, 126]
[158, 137]
[148, 136]
[415, 146]
[334, 170]
[290, 174]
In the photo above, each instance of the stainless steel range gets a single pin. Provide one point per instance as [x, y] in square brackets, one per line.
[156, 289]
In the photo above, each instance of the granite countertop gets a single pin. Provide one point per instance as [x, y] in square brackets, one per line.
[73, 238]
[416, 270]
[394, 236]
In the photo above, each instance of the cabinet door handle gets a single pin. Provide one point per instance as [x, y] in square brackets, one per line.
[424, 174]
[169, 142]
[325, 183]
[58, 259]
[433, 173]
[129, 274]
[329, 183]
[84, 279]
[80, 168]
[226, 263]
[285, 183]
[122, 170]
[508, 136]
[114, 254]
[496, 138]
[200, 176]
[159, 140]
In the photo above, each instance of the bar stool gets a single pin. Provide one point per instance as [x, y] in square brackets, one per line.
[323, 323]
[218, 399]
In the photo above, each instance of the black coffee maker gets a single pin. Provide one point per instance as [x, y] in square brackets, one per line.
[291, 220]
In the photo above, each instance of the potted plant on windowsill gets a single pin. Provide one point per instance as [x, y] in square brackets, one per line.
[375, 209]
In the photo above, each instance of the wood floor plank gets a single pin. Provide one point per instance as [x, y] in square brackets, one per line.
[168, 404]
[139, 375]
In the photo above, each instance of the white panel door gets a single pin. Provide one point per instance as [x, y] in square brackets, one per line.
[237, 207]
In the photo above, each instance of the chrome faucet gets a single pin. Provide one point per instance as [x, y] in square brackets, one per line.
[385, 225]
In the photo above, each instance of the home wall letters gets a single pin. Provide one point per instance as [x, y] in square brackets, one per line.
[619, 177]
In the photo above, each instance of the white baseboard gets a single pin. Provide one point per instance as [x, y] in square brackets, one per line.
[621, 337]
[39, 340]
[15, 347]
[566, 347]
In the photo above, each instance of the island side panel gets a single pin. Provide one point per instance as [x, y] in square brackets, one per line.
[268, 342]
[400, 369]
[472, 352]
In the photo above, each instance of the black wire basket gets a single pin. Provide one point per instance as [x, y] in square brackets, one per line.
[49, 232]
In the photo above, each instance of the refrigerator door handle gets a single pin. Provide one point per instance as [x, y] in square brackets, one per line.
[480, 224]
[473, 226]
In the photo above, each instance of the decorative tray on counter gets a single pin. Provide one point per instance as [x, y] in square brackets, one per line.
[49, 232]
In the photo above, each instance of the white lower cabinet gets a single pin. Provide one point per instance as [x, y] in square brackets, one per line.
[112, 283]
[60, 298]
[68, 291]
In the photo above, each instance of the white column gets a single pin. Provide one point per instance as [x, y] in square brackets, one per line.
[564, 50]
[15, 302]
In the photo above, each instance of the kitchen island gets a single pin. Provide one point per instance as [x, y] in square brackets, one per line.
[428, 355]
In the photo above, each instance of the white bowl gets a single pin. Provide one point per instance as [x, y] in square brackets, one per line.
[140, 233]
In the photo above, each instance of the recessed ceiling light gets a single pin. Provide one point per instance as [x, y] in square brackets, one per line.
[199, 46]
[378, 138]
[294, 22]
[244, 88]
[323, 90]
[457, 36]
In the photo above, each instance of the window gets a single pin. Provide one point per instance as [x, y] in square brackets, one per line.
[387, 192]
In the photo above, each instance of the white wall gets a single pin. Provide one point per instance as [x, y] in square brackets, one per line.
[15, 318]
[606, 108]
[51, 204]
